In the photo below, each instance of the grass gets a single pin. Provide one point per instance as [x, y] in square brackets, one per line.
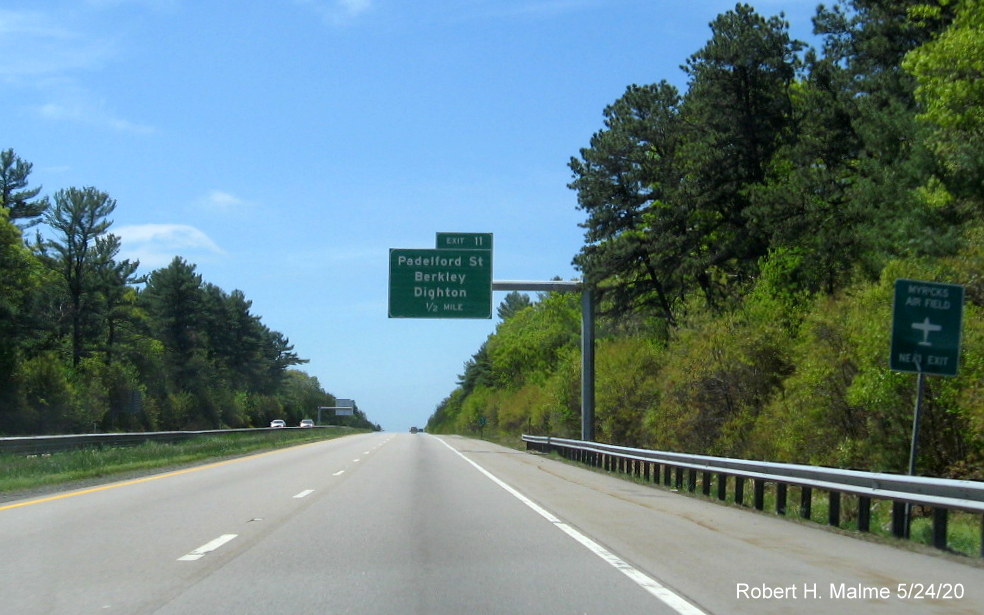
[23, 473]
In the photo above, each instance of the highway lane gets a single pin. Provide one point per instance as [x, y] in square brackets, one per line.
[400, 523]
[386, 524]
[116, 549]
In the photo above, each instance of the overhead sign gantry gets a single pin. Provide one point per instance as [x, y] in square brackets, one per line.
[455, 281]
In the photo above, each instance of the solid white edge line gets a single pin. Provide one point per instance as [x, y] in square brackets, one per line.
[207, 548]
[668, 597]
[304, 494]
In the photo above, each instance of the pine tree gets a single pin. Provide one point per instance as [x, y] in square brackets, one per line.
[79, 217]
[622, 181]
[738, 111]
[20, 202]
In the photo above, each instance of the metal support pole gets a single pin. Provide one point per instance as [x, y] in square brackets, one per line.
[916, 419]
[587, 365]
[914, 448]
[587, 340]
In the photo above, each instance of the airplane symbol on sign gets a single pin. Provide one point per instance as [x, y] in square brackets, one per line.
[926, 327]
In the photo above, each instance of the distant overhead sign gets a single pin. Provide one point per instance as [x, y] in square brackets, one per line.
[926, 326]
[445, 282]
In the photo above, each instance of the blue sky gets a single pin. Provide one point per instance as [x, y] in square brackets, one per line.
[284, 146]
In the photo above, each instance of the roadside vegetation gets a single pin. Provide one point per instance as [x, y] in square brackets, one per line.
[87, 344]
[743, 238]
[19, 473]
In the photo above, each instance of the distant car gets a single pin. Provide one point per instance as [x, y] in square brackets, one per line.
[414, 430]
[278, 423]
[307, 423]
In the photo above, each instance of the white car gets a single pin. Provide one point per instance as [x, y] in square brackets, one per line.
[278, 423]
[306, 423]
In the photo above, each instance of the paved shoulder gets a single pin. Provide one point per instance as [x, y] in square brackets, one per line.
[727, 560]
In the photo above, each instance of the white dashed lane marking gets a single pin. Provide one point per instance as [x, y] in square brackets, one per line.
[206, 548]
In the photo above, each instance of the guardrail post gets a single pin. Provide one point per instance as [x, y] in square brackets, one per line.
[864, 514]
[678, 483]
[806, 502]
[705, 483]
[900, 520]
[740, 490]
[939, 527]
[834, 511]
[692, 481]
[781, 499]
[722, 487]
[759, 491]
[667, 475]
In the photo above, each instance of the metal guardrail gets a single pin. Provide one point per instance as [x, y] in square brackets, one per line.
[39, 445]
[939, 494]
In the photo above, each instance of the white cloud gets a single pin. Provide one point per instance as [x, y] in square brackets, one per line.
[43, 52]
[523, 9]
[156, 245]
[547, 7]
[354, 7]
[338, 12]
[94, 114]
[33, 44]
[221, 201]
[154, 5]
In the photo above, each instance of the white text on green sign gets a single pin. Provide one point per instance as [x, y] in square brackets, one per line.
[926, 327]
[464, 241]
[440, 284]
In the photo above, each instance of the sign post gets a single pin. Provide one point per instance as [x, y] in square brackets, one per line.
[927, 319]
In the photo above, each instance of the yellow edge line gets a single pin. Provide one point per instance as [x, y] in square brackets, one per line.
[146, 479]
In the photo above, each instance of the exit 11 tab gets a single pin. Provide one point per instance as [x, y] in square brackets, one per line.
[464, 241]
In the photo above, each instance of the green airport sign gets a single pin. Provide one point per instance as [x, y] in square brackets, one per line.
[926, 326]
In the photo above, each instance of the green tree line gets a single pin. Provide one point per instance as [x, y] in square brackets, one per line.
[743, 237]
[87, 344]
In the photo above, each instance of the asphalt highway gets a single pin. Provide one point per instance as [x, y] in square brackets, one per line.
[403, 523]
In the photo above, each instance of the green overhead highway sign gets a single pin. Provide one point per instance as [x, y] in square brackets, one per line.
[464, 241]
[445, 283]
[926, 324]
